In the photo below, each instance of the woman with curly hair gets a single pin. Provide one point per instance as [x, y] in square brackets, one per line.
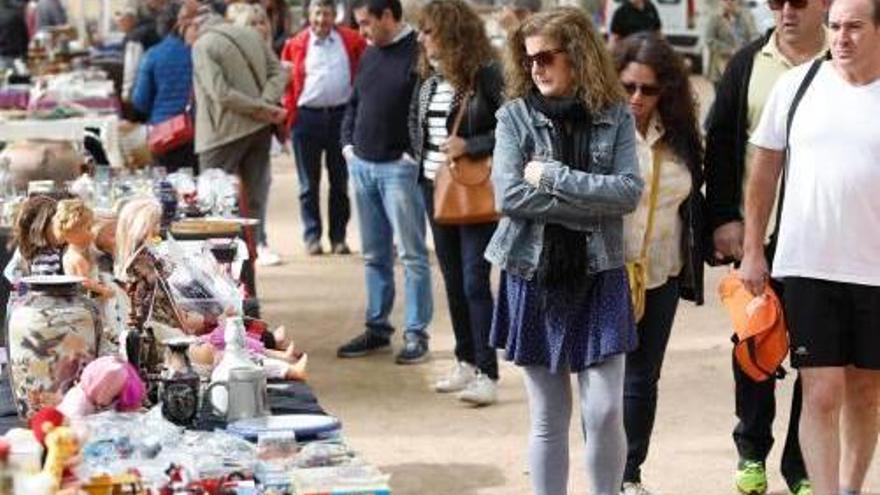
[670, 155]
[458, 71]
[565, 173]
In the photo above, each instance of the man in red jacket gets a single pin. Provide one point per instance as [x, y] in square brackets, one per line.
[323, 59]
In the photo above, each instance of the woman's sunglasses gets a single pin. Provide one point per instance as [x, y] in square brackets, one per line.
[779, 4]
[543, 58]
[645, 89]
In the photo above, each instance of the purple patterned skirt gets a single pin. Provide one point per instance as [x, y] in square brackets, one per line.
[564, 331]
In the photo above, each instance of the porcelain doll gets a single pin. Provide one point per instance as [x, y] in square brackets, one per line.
[72, 224]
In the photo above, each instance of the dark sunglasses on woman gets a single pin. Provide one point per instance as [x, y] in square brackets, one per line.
[645, 89]
[543, 58]
[779, 4]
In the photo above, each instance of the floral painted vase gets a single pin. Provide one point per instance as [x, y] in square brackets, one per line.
[53, 333]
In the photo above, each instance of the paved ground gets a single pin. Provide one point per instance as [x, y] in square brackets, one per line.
[432, 444]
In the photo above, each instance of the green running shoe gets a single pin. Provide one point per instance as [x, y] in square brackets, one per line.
[802, 487]
[751, 478]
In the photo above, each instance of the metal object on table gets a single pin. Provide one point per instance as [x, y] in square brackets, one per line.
[247, 394]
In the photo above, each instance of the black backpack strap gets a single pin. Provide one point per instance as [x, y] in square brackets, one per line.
[798, 96]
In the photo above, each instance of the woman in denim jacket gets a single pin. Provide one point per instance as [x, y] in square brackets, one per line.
[565, 173]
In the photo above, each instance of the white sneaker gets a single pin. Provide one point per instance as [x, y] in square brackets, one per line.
[458, 378]
[482, 391]
[634, 489]
[267, 257]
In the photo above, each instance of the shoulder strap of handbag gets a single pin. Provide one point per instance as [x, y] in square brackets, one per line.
[652, 202]
[243, 55]
[798, 96]
[462, 108]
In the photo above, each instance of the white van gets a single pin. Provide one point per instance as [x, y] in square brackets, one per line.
[683, 25]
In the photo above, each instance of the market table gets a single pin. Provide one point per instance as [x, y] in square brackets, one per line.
[71, 129]
[284, 398]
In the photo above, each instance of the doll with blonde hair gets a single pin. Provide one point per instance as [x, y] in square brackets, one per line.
[139, 221]
[72, 224]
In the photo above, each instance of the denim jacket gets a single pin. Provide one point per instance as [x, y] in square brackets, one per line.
[593, 202]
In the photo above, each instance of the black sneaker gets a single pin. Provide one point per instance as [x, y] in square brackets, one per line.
[363, 344]
[415, 350]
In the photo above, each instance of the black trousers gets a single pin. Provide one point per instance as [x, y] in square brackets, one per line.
[466, 273]
[756, 410]
[181, 157]
[316, 134]
[643, 367]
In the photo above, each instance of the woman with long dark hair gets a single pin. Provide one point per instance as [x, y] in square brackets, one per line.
[565, 173]
[457, 68]
[670, 155]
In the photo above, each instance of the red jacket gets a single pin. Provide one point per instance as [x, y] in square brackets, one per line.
[294, 51]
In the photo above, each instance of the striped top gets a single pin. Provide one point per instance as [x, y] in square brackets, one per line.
[437, 115]
[47, 261]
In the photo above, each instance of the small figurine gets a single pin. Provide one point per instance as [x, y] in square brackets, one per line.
[72, 224]
[62, 453]
[104, 382]
[62, 446]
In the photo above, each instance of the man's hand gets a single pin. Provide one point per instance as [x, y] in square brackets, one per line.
[728, 241]
[454, 147]
[533, 171]
[754, 272]
[271, 115]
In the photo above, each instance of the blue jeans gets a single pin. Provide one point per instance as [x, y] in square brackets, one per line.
[316, 134]
[391, 210]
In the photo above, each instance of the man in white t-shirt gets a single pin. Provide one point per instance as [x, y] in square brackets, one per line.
[829, 242]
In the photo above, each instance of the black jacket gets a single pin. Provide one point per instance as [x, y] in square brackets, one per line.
[727, 135]
[477, 125]
[13, 30]
[693, 240]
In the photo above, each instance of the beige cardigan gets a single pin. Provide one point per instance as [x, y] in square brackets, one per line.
[226, 92]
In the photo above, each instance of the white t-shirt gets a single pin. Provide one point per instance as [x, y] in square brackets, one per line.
[830, 227]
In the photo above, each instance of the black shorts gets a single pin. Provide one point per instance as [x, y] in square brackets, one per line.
[832, 324]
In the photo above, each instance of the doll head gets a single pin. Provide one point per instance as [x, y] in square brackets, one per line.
[72, 222]
[33, 228]
[138, 222]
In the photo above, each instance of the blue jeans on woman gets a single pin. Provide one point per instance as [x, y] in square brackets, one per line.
[391, 210]
[466, 273]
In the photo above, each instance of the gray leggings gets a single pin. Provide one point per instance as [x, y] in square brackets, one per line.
[601, 400]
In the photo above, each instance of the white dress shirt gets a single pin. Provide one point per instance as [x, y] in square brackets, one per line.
[328, 74]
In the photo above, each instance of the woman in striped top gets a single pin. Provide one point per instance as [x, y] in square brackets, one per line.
[457, 66]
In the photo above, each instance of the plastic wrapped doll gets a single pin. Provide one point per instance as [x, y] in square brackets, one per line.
[72, 224]
[106, 382]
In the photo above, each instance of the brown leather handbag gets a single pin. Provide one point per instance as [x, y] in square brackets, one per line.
[463, 191]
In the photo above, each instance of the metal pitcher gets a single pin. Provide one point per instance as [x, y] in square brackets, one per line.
[246, 390]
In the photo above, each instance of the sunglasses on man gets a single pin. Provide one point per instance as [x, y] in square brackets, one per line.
[780, 4]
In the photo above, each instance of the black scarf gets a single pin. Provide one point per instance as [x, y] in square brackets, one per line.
[563, 262]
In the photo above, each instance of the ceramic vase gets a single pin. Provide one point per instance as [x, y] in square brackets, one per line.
[53, 333]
